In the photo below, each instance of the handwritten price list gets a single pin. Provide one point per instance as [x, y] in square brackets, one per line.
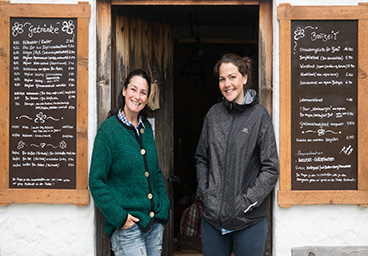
[324, 105]
[43, 103]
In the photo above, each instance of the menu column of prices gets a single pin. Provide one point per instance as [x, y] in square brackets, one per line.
[324, 105]
[43, 103]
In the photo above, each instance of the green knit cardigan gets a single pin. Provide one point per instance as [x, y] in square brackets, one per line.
[125, 176]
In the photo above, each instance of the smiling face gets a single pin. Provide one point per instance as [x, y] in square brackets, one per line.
[231, 82]
[136, 95]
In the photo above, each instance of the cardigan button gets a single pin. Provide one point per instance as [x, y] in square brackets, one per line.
[146, 174]
[143, 151]
[150, 196]
[152, 214]
[142, 130]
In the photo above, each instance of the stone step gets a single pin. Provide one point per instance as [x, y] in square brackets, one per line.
[330, 251]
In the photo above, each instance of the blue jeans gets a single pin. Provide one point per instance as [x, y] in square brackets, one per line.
[134, 242]
[250, 241]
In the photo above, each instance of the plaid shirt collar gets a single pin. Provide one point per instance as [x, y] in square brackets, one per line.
[128, 123]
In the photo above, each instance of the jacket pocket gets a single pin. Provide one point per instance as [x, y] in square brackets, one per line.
[210, 205]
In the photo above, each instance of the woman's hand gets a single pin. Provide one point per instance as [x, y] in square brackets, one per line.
[131, 220]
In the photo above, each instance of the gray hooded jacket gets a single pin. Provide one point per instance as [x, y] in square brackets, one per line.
[237, 163]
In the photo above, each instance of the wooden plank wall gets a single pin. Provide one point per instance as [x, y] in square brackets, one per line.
[103, 88]
[141, 44]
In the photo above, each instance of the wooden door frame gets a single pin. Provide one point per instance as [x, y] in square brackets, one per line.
[104, 69]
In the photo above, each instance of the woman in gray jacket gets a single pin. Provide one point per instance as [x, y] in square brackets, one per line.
[237, 165]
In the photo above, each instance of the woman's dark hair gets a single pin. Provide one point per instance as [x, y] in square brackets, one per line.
[244, 65]
[121, 98]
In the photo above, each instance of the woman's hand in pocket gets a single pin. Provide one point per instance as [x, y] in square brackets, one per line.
[131, 220]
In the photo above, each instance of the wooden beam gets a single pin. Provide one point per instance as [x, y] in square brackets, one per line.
[82, 10]
[362, 105]
[82, 105]
[288, 12]
[4, 99]
[104, 82]
[265, 54]
[316, 197]
[45, 196]
[103, 59]
[285, 105]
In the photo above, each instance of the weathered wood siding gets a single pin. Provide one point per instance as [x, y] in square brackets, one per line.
[103, 89]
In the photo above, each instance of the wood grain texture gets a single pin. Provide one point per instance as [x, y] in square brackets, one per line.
[44, 196]
[288, 12]
[82, 10]
[362, 105]
[4, 101]
[265, 54]
[295, 197]
[285, 105]
[82, 105]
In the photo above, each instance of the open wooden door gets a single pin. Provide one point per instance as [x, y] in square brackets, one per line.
[145, 42]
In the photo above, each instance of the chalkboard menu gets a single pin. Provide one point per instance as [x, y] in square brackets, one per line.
[324, 104]
[43, 94]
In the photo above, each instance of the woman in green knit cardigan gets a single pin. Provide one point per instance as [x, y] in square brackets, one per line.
[125, 179]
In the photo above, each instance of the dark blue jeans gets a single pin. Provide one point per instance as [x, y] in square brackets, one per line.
[250, 241]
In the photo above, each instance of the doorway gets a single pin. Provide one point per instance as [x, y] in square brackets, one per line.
[199, 36]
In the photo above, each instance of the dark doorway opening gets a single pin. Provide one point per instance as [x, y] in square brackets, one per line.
[195, 91]
[202, 34]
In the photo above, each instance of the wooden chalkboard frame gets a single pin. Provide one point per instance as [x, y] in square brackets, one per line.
[286, 196]
[80, 195]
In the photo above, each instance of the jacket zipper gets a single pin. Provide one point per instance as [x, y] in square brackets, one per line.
[225, 171]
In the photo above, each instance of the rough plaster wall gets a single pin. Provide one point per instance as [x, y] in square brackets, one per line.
[323, 225]
[65, 230]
